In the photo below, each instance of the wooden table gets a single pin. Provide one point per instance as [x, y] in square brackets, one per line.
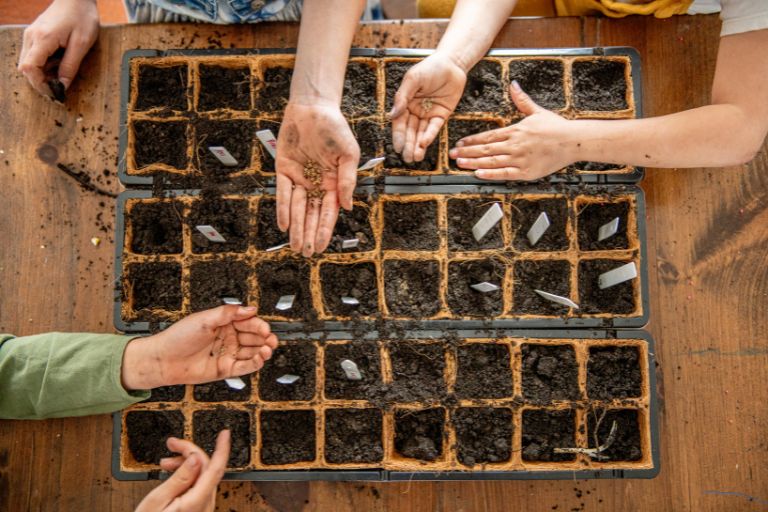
[707, 231]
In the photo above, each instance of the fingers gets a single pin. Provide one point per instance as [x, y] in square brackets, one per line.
[171, 464]
[522, 101]
[34, 61]
[486, 162]
[284, 186]
[403, 96]
[310, 227]
[506, 174]
[186, 448]
[263, 352]
[418, 150]
[329, 212]
[202, 495]
[399, 128]
[77, 46]
[410, 138]
[212, 319]
[428, 135]
[488, 137]
[481, 150]
[253, 325]
[347, 181]
[298, 215]
[179, 483]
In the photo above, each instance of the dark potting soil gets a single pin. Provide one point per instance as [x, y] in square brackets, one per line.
[147, 432]
[156, 228]
[354, 224]
[613, 372]
[207, 425]
[357, 281]
[224, 87]
[483, 434]
[418, 371]
[156, 285]
[626, 443]
[160, 142]
[297, 359]
[483, 371]
[525, 213]
[287, 277]
[162, 87]
[359, 97]
[463, 214]
[595, 166]
[419, 434]
[275, 90]
[544, 430]
[552, 276]
[394, 73]
[410, 226]
[484, 91]
[236, 136]
[594, 215]
[228, 217]
[287, 437]
[599, 85]
[219, 391]
[368, 360]
[616, 299]
[550, 373]
[542, 80]
[353, 435]
[394, 160]
[466, 301]
[266, 159]
[458, 129]
[370, 138]
[412, 288]
[210, 281]
[267, 233]
[167, 394]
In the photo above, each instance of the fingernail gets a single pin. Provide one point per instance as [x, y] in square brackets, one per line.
[516, 86]
[452, 153]
[460, 144]
[193, 460]
[66, 81]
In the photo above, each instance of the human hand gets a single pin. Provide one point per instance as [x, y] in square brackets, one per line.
[70, 24]
[535, 147]
[430, 91]
[317, 159]
[193, 486]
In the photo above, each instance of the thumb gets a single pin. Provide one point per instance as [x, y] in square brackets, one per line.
[179, 483]
[77, 46]
[225, 315]
[522, 101]
[404, 94]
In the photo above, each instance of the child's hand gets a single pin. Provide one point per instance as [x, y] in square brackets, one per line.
[533, 148]
[70, 24]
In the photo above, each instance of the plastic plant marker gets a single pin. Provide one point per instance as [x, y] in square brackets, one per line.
[352, 243]
[223, 156]
[231, 301]
[287, 379]
[564, 301]
[608, 229]
[269, 141]
[351, 370]
[370, 164]
[285, 302]
[211, 234]
[350, 301]
[484, 287]
[278, 247]
[538, 229]
[617, 275]
[235, 383]
[490, 218]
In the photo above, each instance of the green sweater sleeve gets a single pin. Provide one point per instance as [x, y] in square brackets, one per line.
[62, 374]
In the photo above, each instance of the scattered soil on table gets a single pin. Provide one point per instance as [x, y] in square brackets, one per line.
[295, 359]
[524, 214]
[542, 80]
[162, 87]
[418, 371]
[267, 160]
[410, 226]
[287, 437]
[394, 73]
[167, 394]
[412, 288]
[616, 299]
[156, 285]
[236, 136]
[613, 372]
[419, 434]
[278, 278]
[267, 233]
[552, 276]
[354, 224]
[395, 161]
[599, 85]
[484, 91]
[275, 90]
[466, 301]
[147, 432]
[229, 217]
[219, 391]
[357, 281]
[626, 444]
[155, 228]
[595, 215]
[458, 129]
[550, 373]
[207, 425]
[370, 138]
[224, 87]
[359, 97]
[483, 371]
[483, 434]
[160, 142]
[463, 214]
[210, 281]
[353, 435]
[544, 430]
[368, 360]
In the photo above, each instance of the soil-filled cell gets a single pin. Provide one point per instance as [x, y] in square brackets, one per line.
[224, 87]
[370, 138]
[356, 281]
[484, 91]
[160, 142]
[410, 226]
[412, 288]
[600, 85]
[419, 434]
[550, 373]
[147, 432]
[542, 80]
[353, 435]
[458, 129]
[287, 437]
[545, 430]
[237, 137]
[359, 96]
[394, 72]
[154, 286]
[220, 391]
[418, 371]
[211, 281]
[366, 357]
[463, 214]
[463, 300]
[162, 87]
[281, 278]
[613, 372]
[167, 394]
[228, 217]
[626, 443]
[395, 160]
[353, 225]
[594, 215]
[526, 212]
[267, 233]
[207, 425]
[551, 276]
[155, 228]
[483, 371]
[619, 299]
[267, 161]
[483, 435]
[289, 361]
[275, 90]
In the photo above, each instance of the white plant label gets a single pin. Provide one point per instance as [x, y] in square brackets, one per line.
[351, 370]
[370, 164]
[285, 302]
[223, 156]
[538, 229]
[608, 229]
[352, 243]
[490, 218]
[484, 287]
[231, 301]
[235, 383]
[269, 141]
[350, 301]
[563, 301]
[278, 247]
[211, 234]
[617, 275]
[287, 379]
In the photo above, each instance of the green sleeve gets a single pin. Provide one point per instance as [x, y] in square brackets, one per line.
[62, 374]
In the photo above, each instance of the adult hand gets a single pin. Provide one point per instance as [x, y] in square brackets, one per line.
[317, 159]
[69, 24]
[533, 148]
[192, 488]
[430, 91]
